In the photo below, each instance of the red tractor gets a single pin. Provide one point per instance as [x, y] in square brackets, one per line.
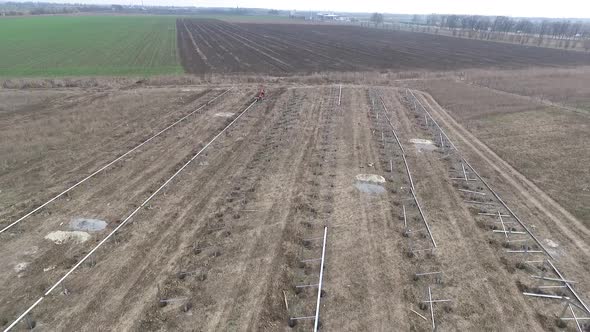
[260, 95]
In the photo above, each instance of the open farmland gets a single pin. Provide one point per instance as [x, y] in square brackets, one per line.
[88, 45]
[235, 197]
[213, 46]
[380, 193]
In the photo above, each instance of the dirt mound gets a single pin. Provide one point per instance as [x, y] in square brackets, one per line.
[373, 178]
[60, 237]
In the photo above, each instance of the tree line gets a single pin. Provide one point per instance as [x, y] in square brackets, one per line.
[541, 27]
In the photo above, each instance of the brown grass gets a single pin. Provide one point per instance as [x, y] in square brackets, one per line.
[568, 86]
[548, 145]
[384, 77]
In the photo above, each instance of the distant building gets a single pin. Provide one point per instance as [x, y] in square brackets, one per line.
[327, 17]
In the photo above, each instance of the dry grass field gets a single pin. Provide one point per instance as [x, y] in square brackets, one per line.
[180, 203]
[567, 87]
[549, 145]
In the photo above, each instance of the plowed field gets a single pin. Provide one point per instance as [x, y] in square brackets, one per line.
[212, 46]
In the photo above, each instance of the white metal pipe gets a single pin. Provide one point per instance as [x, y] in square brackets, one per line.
[547, 296]
[428, 273]
[464, 173]
[463, 179]
[569, 287]
[554, 279]
[578, 327]
[405, 219]
[424, 218]
[509, 232]
[481, 203]
[317, 307]
[436, 301]
[472, 192]
[408, 171]
[493, 215]
[414, 311]
[524, 251]
[126, 220]
[108, 165]
[503, 226]
[431, 309]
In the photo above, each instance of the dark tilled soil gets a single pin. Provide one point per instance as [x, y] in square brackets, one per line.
[212, 46]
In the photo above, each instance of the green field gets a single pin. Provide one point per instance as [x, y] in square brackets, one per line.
[88, 45]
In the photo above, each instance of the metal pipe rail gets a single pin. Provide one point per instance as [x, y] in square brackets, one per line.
[569, 287]
[537, 241]
[109, 164]
[59, 282]
[317, 308]
[413, 190]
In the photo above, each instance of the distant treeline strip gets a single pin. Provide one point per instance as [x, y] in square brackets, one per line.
[541, 27]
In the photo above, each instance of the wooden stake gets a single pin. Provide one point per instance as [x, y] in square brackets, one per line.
[412, 310]
[286, 303]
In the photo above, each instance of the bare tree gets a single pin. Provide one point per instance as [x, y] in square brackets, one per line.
[377, 18]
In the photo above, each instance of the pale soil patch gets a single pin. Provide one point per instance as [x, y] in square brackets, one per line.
[20, 267]
[423, 144]
[369, 188]
[59, 237]
[374, 178]
[224, 114]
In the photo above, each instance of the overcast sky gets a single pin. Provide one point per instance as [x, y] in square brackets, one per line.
[530, 8]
